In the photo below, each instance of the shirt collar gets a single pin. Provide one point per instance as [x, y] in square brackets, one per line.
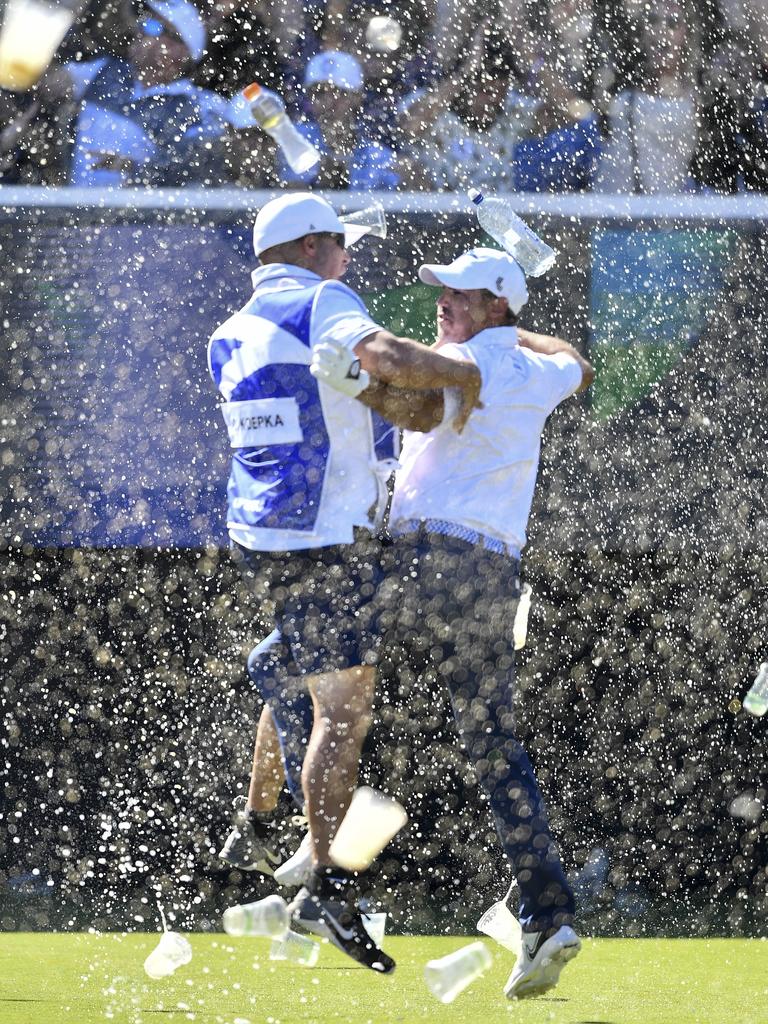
[276, 276]
[506, 336]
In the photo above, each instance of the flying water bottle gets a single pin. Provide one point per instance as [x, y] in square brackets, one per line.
[497, 217]
[256, 105]
[756, 701]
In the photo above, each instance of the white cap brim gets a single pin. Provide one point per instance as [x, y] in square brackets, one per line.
[439, 275]
[489, 269]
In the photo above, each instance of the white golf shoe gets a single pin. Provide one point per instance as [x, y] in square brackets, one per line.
[297, 869]
[540, 962]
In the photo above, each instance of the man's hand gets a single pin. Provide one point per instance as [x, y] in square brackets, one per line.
[339, 368]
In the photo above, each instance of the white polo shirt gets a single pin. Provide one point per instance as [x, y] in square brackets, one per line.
[484, 478]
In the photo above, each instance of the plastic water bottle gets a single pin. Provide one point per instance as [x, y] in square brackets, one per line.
[756, 701]
[266, 109]
[497, 217]
[268, 917]
[451, 974]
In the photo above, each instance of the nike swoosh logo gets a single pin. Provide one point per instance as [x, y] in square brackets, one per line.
[343, 933]
[532, 948]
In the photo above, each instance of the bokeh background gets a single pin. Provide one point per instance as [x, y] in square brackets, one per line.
[124, 628]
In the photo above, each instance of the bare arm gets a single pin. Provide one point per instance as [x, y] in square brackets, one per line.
[548, 346]
[414, 367]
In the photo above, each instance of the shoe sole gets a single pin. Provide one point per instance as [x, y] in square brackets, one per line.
[546, 975]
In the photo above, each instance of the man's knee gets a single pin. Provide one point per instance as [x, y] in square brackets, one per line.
[346, 696]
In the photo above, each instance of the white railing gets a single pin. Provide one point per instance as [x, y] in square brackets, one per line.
[705, 208]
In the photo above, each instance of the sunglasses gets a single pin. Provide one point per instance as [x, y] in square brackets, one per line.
[334, 237]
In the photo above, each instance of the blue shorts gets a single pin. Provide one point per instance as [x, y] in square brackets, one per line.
[323, 600]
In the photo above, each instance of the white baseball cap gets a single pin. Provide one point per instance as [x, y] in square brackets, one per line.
[187, 21]
[292, 216]
[481, 268]
[334, 67]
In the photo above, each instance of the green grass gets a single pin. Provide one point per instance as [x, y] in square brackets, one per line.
[47, 979]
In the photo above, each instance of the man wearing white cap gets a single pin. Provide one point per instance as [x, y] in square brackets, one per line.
[459, 516]
[141, 120]
[306, 492]
[333, 81]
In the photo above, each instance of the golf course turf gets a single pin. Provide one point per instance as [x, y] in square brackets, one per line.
[82, 978]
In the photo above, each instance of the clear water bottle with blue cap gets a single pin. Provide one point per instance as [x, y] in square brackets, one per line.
[262, 107]
[497, 217]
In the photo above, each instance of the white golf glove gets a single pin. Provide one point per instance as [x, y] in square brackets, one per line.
[339, 368]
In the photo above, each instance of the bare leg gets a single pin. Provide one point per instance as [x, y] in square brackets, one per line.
[342, 703]
[267, 775]
[252, 844]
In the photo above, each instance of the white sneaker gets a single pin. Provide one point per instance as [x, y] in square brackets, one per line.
[297, 869]
[540, 962]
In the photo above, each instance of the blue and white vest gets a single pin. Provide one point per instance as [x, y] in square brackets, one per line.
[309, 463]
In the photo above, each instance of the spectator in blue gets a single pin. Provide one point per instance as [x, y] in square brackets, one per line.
[141, 121]
[561, 151]
[350, 158]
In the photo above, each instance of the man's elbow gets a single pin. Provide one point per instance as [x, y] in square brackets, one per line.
[587, 376]
[376, 353]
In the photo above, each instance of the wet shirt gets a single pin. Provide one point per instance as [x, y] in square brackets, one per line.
[484, 478]
[308, 464]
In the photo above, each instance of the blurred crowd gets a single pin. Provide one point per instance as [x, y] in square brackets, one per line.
[632, 96]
